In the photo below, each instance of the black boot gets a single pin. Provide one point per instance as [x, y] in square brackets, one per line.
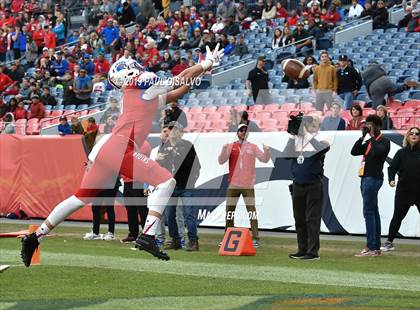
[148, 244]
[193, 245]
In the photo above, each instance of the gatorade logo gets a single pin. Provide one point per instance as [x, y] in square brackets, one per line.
[232, 241]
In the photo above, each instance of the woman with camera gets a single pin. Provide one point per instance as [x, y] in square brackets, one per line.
[406, 164]
[375, 151]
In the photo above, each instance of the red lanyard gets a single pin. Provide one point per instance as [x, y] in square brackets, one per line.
[370, 146]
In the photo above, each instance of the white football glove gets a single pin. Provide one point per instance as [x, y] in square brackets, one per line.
[212, 58]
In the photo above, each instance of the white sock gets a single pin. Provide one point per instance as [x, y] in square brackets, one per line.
[42, 231]
[157, 202]
[152, 222]
[59, 214]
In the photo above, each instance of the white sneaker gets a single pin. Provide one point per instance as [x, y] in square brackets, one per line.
[109, 236]
[92, 236]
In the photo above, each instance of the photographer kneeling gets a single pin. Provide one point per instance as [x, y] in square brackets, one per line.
[307, 154]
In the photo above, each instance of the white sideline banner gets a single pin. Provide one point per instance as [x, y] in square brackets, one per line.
[342, 210]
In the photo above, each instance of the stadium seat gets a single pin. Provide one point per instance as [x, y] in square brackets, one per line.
[287, 106]
[256, 108]
[269, 124]
[209, 109]
[199, 116]
[263, 115]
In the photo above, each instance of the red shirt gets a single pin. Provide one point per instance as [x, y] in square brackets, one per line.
[50, 40]
[281, 13]
[16, 6]
[102, 66]
[38, 37]
[178, 69]
[10, 21]
[20, 113]
[92, 127]
[242, 162]
[37, 110]
[5, 81]
[292, 21]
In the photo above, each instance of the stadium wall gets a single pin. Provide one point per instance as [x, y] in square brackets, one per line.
[37, 172]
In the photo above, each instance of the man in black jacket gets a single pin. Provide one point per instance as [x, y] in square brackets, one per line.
[375, 151]
[175, 114]
[307, 155]
[349, 81]
[179, 156]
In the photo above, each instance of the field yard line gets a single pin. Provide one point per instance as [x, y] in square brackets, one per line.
[231, 271]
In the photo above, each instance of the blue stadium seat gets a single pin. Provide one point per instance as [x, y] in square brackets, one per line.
[399, 65]
[412, 72]
[415, 65]
[206, 102]
[382, 54]
[411, 53]
[395, 72]
[82, 106]
[58, 107]
[416, 96]
[70, 107]
[47, 107]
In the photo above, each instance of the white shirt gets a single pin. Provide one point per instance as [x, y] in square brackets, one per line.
[355, 11]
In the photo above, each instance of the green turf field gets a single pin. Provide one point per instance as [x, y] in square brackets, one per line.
[77, 274]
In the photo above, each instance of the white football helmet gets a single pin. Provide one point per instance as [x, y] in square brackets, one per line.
[123, 72]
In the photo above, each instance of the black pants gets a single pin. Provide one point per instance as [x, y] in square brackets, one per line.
[307, 208]
[402, 203]
[136, 205]
[104, 200]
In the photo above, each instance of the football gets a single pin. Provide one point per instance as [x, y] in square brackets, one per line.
[295, 69]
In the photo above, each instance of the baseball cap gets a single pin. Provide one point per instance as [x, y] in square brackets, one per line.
[35, 97]
[185, 23]
[261, 58]
[206, 31]
[343, 57]
[242, 126]
[45, 49]
[63, 118]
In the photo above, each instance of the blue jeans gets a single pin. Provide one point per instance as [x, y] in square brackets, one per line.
[348, 99]
[370, 187]
[190, 214]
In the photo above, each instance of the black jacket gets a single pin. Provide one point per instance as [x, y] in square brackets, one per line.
[406, 164]
[312, 169]
[372, 73]
[176, 115]
[182, 161]
[375, 159]
[348, 80]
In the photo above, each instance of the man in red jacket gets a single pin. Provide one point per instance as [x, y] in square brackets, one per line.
[242, 155]
[102, 65]
[37, 108]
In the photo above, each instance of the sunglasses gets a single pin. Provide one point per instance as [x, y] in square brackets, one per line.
[242, 130]
[414, 133]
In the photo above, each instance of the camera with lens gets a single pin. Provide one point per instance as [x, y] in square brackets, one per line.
[294, 123]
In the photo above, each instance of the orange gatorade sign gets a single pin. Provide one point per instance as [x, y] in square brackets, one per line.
[237, 242]
[36, 258]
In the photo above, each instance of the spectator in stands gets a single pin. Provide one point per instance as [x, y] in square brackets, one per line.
[414, 24]
[241, 11]
[179, 156]
[406, 164]
[304, 45]
[126, 14]
[25, 88]
[374, 151]
[68, 93]
[355, 10]
[194, 41]
[3, 107]
[242, 156]
[177, 69]
[112, 111]
[109, 124]
[269, 11]
[9, 124]
[349, 81]
[88, 65]
[20, 111]
[31, 52]
[37, 108]
[387, 123]
[226, 9]
[16, 72]
[241, 48]
[76, 126]
[74, 37]
[230, 48]
[333, 16]
[334, 121]
[111, 36]
[99, 84]
[64, 127]
[378, 84]
[46, 97]
[277, 39]
[368, 10]
[175, 114]
[13, 103]
[83, 88]
[59, 30]
[357, 120]
[19, 42]
[293, 19]
[380, 16]
[257, 10]
[251, 125]
[281, 12]
[257, 81]
[60, 65]
[5, 80]
[324, 86]
[50, 40]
